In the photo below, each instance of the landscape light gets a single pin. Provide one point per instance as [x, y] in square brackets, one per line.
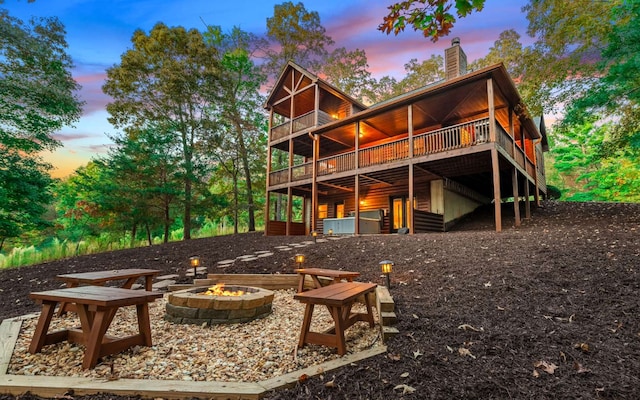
[330, 232]
[387, 267]
[315, 236]
[195, 263]
[299, 260]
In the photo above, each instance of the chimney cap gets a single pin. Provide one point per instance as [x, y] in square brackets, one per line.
[455, 41]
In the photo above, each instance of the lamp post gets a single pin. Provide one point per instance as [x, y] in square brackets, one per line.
[315, 236]
[195, 263]
[299, 260]
[387, 266]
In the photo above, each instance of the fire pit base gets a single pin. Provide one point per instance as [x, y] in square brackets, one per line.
[191, 306]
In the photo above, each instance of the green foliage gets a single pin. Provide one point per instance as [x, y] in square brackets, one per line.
[36, 99]
[347, 70]
[166, 81]
[432, 17]
[298, 36]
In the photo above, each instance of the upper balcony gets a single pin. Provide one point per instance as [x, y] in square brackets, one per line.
[390, 154]
[300, 124]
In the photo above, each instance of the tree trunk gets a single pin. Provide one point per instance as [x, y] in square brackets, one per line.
[149, 238]
[167, 221]
[247, 176]
[235, 201]
[134, 232]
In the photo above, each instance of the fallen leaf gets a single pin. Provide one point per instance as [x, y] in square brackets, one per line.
[547, 367]
[536, 374]
[470, 328]
[579, 368]
[488, 284]
[415, 316]
[465, 352]
[330, 384]
[584, 347]
[450, 349]
[404, 375]
[405, 389]
[500, 308]
[394, 357]
[417, 354]
[303, 378]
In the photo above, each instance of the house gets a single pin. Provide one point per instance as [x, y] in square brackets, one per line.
[414, 163]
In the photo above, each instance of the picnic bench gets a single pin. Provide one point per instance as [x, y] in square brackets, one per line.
[96, 306]
[99, 278]
[338, 298]
[317, 273]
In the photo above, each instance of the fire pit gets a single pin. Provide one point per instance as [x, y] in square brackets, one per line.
[218, 304]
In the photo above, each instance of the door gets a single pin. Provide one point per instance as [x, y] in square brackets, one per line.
[399, 212]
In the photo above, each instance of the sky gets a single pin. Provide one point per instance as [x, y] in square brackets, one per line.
[100, 31]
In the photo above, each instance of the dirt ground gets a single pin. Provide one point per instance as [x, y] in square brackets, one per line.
[548, 310]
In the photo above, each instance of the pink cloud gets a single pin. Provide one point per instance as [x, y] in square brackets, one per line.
[69, 137]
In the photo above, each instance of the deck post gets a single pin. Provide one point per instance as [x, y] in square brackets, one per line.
[411, 192]
[527, 204]
[495, 164]
[289, 211]
[357, 210]
[516, 196]
[314, 184]
[267, 202]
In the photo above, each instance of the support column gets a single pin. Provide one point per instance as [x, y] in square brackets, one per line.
[516, 196]
[411, 205]
[492, 112]
[314, 183]
[527, 204]
[267, 203]
[289, 211]
[357, 200]
[495, 164]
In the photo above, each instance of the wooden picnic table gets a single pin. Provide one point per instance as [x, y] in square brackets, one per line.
[339, 298]
[96, 306]
[316, 273]
[99, 278]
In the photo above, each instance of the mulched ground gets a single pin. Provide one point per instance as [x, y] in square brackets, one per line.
[547, 310]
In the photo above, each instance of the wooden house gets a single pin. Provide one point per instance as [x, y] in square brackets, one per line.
[414, 163]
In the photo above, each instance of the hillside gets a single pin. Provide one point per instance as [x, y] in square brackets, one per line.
[478, 310]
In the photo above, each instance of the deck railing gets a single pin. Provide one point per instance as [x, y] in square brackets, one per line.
[304, 121]
[452, 137]
[339, 163]
[302, 171]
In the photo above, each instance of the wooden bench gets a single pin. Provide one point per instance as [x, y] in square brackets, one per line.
[96, 306]
[99, 278]
[339, 298]
[316, 273]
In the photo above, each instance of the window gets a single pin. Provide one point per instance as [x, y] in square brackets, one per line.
[322, 211]
[339, 210]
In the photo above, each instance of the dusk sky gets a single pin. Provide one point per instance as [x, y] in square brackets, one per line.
[99, 32]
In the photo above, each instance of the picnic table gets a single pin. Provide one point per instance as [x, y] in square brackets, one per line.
[99, 278]
[96, 306]
[338, 298]
[316, 273]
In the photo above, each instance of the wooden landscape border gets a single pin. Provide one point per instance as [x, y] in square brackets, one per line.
[55, 386]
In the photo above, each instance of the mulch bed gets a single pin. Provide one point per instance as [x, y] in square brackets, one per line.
[547, 310]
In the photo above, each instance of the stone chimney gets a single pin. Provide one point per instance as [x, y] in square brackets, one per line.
[455, 61]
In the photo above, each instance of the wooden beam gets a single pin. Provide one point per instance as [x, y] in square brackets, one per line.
[411, 205]
[495, 164]
[356, 223]
[516, 196]
[492, 111]
[377, 180]
[289, 211]
[314, 181]
[336, 186]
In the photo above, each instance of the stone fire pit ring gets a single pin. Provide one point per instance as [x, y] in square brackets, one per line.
[191, 306]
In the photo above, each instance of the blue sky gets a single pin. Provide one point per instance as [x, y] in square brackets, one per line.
[99, 32]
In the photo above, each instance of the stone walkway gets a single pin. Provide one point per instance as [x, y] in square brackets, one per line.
[164, 281]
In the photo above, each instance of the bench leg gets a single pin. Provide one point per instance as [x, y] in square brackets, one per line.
[98, 329]
[340, 321]
[144, 326]
[40, 334]
[306, 324]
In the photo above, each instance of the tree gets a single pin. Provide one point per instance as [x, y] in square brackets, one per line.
[432, 17]
[238, 106]
[298, 36]
[421, 74]
[36, 100]
[347, 70]
[165, 81]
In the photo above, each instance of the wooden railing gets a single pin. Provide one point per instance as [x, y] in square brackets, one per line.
[302, 171]
[339, 163]
[452, 137]
[305, 121]
[384, 153]
[278, 177]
